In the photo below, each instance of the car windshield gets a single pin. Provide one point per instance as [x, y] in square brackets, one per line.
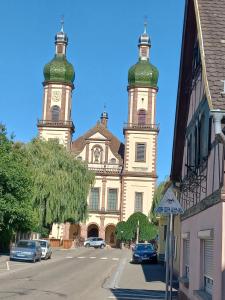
[147, 247]
[43, 243]
[26, 244]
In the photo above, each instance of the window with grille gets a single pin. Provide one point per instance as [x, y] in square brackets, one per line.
[138, 205]
[208, 265]
[55, 113]
[142, 117]
[140, 152]
[186, 244]
[94, 199]
[112, 199]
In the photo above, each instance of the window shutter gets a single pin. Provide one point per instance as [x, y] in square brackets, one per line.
[208, 258]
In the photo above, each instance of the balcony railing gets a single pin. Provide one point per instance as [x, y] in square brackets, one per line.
[50, 123]
[105, 169]
[134, 126]
[103, 211]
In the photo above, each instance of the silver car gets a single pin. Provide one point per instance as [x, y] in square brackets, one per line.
[94, 242]
[46, 249]
[26, 250]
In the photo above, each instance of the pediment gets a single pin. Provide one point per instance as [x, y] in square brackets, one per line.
[97, 136]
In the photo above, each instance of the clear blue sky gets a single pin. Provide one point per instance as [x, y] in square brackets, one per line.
[103, 37]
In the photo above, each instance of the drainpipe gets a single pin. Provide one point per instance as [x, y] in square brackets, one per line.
[218, 115]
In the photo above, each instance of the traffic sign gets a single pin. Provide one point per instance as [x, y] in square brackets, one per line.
[169, 204]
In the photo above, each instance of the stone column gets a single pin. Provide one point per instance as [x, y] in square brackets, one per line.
[102, 229]
[103, 192]
[83, 231]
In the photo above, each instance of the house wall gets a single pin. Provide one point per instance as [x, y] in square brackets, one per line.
[212, 218]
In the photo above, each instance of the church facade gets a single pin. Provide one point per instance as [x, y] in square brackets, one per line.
[125, 173]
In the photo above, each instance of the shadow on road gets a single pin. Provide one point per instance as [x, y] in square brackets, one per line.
[129, 294]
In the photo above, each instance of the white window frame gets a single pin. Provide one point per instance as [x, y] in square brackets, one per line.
[186, 257]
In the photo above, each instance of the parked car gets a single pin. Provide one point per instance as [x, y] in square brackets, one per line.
[46, 249]
[94, 242]
[144, 253]
[26, 250]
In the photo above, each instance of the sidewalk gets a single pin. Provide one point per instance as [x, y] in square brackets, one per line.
[141, 281]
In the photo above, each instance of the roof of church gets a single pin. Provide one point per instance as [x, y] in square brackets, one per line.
[115, 145]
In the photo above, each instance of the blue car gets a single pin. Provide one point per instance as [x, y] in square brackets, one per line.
[26, 250]
[144, 253]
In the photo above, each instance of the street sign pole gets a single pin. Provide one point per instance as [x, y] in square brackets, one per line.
[169, 206]
[167, 257]
[171, 255]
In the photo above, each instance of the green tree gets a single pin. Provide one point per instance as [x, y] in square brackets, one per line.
[147, 231]
[123, 232]
[16, 212]
[60, 183]
[159, 192]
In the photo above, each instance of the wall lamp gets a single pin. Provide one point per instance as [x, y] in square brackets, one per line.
[218, 115]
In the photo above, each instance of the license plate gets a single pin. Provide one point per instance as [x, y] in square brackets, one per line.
[20, 255]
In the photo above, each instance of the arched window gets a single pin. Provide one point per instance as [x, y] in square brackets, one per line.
[55, 113]
[142, 117]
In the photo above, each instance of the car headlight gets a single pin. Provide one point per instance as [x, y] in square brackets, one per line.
[136, 255]
[154, 254]
[13, 251]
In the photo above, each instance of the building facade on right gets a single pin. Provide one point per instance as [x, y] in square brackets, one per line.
[198, 151]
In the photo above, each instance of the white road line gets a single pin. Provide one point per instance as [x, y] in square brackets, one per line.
[7, 265]
[92, 257]
[103, 257]
[81, 257]
[115, 258]
[69, 256]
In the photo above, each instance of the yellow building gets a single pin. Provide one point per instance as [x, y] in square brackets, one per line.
[125, 172]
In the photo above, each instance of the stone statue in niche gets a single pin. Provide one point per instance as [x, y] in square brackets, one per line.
[97, 154]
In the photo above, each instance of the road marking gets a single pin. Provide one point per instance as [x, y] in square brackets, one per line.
[69, 256]
[113, 281]
[103, 257]
[115, 258]
[92, 257]
[81, 257]
[7, 265]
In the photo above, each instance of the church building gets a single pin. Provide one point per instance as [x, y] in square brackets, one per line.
[125, 172]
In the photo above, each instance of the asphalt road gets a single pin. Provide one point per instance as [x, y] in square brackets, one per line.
[74, 274]
[84, 274]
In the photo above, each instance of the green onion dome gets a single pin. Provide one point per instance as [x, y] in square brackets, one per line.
[59, 70]
[143, 73]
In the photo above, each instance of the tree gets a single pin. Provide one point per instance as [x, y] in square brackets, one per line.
[60, 183]
[147, 231]
[159, 192]
[127, 231]
[123, 232]
[16, 212]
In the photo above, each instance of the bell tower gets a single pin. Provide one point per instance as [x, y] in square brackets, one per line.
[58, 85]
[140, 132]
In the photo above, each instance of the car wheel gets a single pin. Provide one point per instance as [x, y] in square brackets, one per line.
[39, 259]
[50, 256]
[102, 246]
[34, 260]
[87, 245]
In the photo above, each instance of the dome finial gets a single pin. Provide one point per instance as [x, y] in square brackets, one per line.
[145, 24]
[62, 23]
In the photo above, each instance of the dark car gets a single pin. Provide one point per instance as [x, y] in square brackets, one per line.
[144, 253]
[26, 250]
